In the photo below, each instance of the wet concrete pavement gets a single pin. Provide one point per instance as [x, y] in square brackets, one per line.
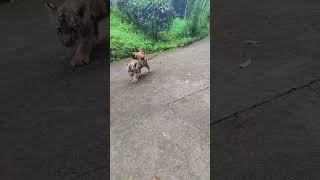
[160, 125]
[266, 116]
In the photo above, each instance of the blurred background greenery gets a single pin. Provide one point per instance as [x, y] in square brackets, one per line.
[156, 25]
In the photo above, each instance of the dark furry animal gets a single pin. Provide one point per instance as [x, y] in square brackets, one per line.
[77, 23]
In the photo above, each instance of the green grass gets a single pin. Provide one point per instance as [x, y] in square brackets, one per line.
[126, 38]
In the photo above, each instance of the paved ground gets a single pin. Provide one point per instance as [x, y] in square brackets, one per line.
[160, 125]
[52, 117]
[266, 116]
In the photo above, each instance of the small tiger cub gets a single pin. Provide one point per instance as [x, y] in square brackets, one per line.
[141, 55]
[139, 60]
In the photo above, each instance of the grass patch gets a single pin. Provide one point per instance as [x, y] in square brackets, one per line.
[126, 38]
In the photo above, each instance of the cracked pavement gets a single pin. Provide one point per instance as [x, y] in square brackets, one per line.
[160, 125]
[266, 116]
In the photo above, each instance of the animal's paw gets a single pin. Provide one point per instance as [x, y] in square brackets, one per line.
[134, 80]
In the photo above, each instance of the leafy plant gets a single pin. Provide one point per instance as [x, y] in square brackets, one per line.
[199, 22]
[127, 36]
[179, 28]
[124, 37]
[151, 16]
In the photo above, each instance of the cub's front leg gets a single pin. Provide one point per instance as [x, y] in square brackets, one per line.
[136, 76]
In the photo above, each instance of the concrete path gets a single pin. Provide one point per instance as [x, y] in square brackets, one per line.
[160, 125]
[266, 116]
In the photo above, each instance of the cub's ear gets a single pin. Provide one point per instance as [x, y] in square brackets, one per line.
[52, 8]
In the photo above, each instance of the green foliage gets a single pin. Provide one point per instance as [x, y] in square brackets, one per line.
[179, 7]
[179, 28]
[152, 16]
[189, 8]
[199, 22]
[127, 36]
[124, 37]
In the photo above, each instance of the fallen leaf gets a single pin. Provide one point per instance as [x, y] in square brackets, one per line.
[189, 74]
[155, 91]
[187, 81]
[164, 134]
[157, 178]
[245, 64]
[252, 42]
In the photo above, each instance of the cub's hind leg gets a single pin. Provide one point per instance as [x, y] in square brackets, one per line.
[147, 65]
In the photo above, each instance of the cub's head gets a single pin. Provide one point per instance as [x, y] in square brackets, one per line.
[67, 24]
[133, 67]
[143, 51]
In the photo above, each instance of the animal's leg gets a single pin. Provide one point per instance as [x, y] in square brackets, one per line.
[135, 78]
[136, 75]
[147, 65]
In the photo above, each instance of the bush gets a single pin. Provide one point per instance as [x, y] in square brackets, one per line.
[179, 28]
[124, 37]
[152, 16]
[199, 23]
